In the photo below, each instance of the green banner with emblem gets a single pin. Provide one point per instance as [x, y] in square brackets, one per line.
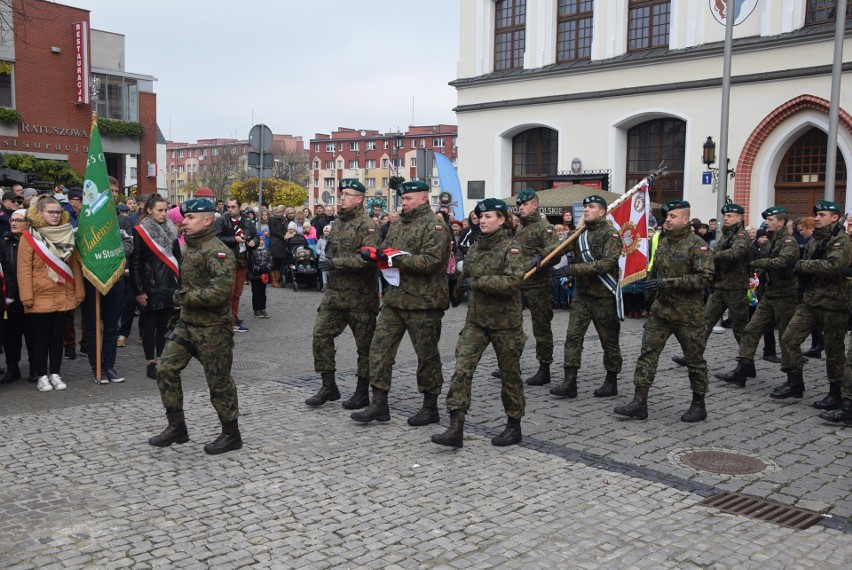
[98, 235]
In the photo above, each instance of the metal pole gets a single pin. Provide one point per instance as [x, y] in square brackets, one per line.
[260, 177]
[722, 196]
[833, 111]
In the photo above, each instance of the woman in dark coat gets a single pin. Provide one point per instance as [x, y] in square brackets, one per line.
[16, 323]
[470, 234]
[155, 275]
[277, 229]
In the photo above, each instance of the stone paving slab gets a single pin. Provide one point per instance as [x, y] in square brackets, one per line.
[313, 489]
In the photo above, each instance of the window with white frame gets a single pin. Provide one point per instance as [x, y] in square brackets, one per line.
[316, 147]
[353, 165]
[354, 145]
[370, 182]
[371, 163]
[329, 182]
[329, 147]
[385, 163]
[329, 165]
[180, 154]
[386, 145]
[438, 142]
[371, 145]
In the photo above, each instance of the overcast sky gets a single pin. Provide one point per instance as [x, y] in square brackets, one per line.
[300, 66]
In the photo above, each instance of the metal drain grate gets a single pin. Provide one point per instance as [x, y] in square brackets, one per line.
[761, 509]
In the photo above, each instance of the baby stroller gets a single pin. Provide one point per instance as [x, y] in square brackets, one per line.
[302, 266]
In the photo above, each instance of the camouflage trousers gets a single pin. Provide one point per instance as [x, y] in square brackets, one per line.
[769, 312]
[424, 330]
[602, 313]
[656, 333]
[214, 348]
[833, 326]
[508, 344]
[734, 299]
[846, 386]
[539, 300]
[330, 324]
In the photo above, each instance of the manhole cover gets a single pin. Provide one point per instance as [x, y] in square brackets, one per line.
[723, 462]
[248, 365]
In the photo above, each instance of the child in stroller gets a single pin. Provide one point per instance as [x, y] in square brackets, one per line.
[302, 264]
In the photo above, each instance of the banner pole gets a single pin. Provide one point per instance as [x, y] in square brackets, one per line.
[98, 335]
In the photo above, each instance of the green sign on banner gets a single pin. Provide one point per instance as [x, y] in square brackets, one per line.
[98, 236]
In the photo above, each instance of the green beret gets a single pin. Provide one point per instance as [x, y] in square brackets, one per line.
[353, 184]
[412, 186]
[197, 205]
[674, 205]
[525, 196]
[594, 199]
[733, 209]
[826, 206]
[773, 211]
[490, 205]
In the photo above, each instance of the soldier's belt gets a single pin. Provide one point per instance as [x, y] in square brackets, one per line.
[190, 348]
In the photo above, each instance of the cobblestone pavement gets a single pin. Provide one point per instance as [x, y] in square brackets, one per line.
[312, 489]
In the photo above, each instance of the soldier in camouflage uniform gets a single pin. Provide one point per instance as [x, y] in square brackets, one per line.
[493, 271]
[778, 303]
[351, 298]
[843, 414]
[536, 239]
[595, 302]
[203, 331]
[824, 300]
[416, 304]
[683, 267]
[731, 256]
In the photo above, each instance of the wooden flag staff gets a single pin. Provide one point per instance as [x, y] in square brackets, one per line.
[649, 180]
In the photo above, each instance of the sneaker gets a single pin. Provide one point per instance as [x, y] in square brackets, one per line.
[44, 384]
[70, 353]
[56, 382]
[264, 314]
[240, 328]
[83, 351]
[121, 342]
[102, 380]
[258, 315]
[114, 376]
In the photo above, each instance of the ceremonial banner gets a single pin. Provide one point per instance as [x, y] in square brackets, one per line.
[450, 183]
[631, 220]
[98, 236]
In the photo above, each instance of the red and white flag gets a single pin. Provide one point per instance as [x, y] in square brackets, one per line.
[631, 221]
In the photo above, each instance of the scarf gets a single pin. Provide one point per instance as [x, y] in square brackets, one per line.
[59, 240]
[163, 234]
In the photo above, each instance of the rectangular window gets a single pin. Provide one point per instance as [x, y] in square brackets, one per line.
[118, 97]
[414, 163]
[371, 163]
[316, 164]
[340, 165]
[509, 34]
[6, 87]
[181, 183]
[353, 165]
[340, 147]
[215, 152]
[384, 182]
[648, 24]
[371, 145]
[385, 163]
[180, 154]
[386, 145]
[438, 142]
[329, 165]
[180, 169]
[316, 147]
[574, 30]
[824, 11]
[329, 147]
[330, 182]
[353, 145]
[203, 152]
[370, 182]
[422, 143]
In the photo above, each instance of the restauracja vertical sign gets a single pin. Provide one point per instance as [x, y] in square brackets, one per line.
[81, 61]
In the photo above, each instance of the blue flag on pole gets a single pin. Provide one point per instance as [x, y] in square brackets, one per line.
[450, 183]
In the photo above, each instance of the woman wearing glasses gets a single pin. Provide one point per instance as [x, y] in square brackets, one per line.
[50, 283]
[15, 324]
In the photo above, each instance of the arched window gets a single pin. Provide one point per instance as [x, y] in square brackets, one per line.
[534, 155]
[574, 30]
[648, 24]
[510, 21]
[650, 143]
[800, 181]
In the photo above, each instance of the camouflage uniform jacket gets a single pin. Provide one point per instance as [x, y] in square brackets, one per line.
[534, 235]
[495, 267]
[423, 274]
[777, 259]
[684, 263]
[826, 287]
[732, 255]
[353, 285]
[605, 245]
[207, 275]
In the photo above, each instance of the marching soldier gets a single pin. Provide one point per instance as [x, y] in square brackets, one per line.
[843, 413]
[203, 331]
[731, 256]
[823, 303]
[596, 255]
[414, 303]
[493, 270]
[536, 239]
[778, 303]
[351, 297]
[683, 267]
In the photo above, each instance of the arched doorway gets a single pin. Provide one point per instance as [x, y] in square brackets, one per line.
[800, 180]
[534, 158]
[650, 143]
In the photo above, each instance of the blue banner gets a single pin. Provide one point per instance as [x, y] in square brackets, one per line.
[450, 183]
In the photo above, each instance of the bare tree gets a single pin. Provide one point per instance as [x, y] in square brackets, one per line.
[14, 12]
[219, 171]
[291, 165]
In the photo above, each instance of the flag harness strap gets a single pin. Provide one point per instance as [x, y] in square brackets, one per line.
[612, 284]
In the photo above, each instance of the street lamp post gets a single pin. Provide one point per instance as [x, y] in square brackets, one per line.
[708, 158]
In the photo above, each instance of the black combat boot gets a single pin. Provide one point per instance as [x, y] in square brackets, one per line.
[497, 374]
[745, 369]
[609, 387]
[377, 410]
[636, 408]
[794, 388]
[832, 401]
[228, 440]
[175, 432]
[568, 388]
[696, 411]
[361, 397]
[541, 377]
[428, 412]
[679, 360]
[328, 392]
[843, 414]
[510, 435]
[454, 436]
[13, 372]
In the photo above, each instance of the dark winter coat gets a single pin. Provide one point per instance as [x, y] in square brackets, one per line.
[150, 276]
[9, 259]
[225, 232]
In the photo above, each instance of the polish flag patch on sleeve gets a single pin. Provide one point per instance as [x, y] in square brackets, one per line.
[703, 248]
[439, 228]
[221, 254]
[371, 230]
[515, 250]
